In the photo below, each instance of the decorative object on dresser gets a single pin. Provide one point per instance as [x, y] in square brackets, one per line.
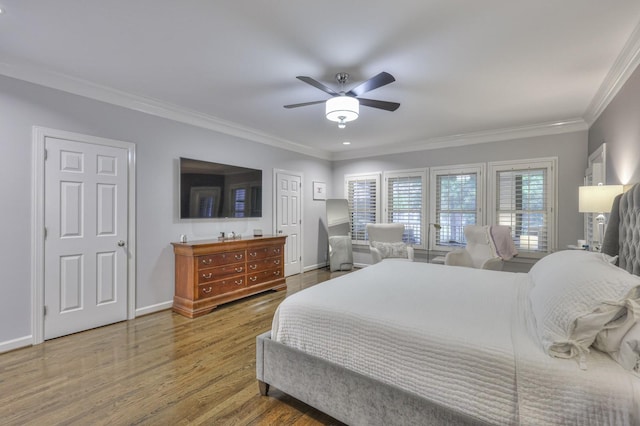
[211, 272]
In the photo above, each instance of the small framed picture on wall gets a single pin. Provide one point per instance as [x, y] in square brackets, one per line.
[319, 191]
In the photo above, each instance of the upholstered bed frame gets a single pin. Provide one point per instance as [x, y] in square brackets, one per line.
[622, 237]
[347, 396]
[359, 400]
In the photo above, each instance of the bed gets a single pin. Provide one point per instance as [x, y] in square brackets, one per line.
[415, 343]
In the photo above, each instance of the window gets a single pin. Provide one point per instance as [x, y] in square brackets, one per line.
[456, 201]
[523, 197]
[239, 201]
[404, 203]
[245, 200]
[362, 194]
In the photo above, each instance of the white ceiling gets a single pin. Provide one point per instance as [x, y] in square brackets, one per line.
[465, 69]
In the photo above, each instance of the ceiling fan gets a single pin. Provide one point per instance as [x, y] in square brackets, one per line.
[345, 106]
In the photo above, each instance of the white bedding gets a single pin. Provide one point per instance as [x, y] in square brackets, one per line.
[456, 336]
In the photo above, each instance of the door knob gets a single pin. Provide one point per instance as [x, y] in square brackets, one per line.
[120, 243]
[280, 231]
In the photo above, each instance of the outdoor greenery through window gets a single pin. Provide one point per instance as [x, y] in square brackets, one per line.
[404, 203]
[456, 207]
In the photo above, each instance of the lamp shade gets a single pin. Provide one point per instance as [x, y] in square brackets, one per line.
[597, 199]
[342, 109]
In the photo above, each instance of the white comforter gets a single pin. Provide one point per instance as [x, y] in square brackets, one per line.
[456, 336]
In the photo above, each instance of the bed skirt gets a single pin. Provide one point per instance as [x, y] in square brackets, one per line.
[347, 396]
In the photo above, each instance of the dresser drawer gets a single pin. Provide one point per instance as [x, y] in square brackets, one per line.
[263, 276]
[220, 259]
[212, 274]
[262, 264]
[209, 273]
[255, 253]
[216, 288]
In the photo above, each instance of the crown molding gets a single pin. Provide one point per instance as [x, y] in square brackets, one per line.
[173, 112]
[151, 106]
[511, 133]
[625, 64]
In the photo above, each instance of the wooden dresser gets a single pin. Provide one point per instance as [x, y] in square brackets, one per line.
[212, 272]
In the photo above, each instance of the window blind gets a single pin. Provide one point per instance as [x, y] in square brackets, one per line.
[522, 202]
[456, 206]
[362, 195]
[404, 204]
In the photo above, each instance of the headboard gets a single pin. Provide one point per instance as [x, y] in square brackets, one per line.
[622, 237]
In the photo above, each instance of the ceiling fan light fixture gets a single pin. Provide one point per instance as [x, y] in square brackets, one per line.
[342, 109]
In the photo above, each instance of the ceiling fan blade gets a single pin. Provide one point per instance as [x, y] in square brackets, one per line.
[303, 104]
[379, 80]
[317, 85]
[388, 106]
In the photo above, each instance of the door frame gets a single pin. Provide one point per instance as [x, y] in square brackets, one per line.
[39, 134]
[275, 208]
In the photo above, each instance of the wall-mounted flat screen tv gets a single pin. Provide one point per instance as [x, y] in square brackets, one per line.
[215, 190]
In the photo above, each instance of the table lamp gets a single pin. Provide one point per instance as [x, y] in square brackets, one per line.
[598, 199]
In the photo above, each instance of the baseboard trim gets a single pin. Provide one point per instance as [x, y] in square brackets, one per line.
[18, 343]
[314, 267]
[154, 308]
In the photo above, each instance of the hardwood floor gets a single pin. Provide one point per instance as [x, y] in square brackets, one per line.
[160, 369]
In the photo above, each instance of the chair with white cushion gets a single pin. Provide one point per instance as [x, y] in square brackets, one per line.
[385, 242]
[480, 251]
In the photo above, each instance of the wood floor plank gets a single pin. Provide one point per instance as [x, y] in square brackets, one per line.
[157, 369]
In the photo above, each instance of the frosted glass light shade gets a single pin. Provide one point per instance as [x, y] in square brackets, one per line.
[342, 109]
[597, 199]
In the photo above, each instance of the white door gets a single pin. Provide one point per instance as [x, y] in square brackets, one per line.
[85, 215]
[288, 219]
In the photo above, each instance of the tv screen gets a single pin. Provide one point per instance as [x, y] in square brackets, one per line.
[215, 190]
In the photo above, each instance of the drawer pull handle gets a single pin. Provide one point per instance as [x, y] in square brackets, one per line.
[207, 290]
[253, 254]
[239, 282]
[253, 267]
[209, 275]
[207, 261]
[253, 278]
[238, 256]
[276, 262]
[276, 250]
[239, 269]
[276, 273]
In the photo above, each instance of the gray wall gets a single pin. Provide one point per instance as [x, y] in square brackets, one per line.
[159, 143]
[569, 148]
[619, 127]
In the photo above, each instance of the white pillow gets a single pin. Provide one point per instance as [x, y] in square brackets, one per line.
[629, 354]
[621, 338]
[575, 293]
[610, 337]
[389, 250]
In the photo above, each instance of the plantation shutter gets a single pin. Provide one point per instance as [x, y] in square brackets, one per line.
[404, 204]
[456, 206]
[523, 203]
[362, 194]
